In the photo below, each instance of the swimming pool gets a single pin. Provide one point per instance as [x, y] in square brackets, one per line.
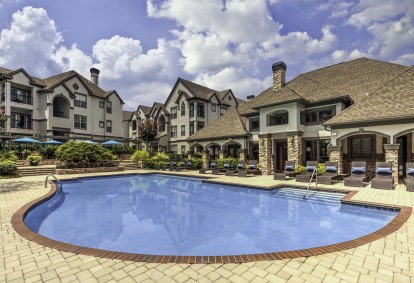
[165, 215]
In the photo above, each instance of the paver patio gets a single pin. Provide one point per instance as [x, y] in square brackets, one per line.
[390, 259]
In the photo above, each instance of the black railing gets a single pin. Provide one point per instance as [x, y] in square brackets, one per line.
[57, 114]
[22, 99]
[161, 128]
[19, 124]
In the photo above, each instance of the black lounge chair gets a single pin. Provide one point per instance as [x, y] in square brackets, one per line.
[232, 171]
[212, 167]
[383, 176]
[226, 166]
[173, 166]
[189, 165]
[288, 172]
[358, 174]
[409, 178]
[251, 169]
[331, 172]
[310, 167]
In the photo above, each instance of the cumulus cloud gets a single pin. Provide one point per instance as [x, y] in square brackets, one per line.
[31, 40]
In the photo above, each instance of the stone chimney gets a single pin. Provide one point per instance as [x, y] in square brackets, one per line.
[279, 74]
[94, 75]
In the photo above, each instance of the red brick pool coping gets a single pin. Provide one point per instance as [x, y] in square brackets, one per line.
[24, 231]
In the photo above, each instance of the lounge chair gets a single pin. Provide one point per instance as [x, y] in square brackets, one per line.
[173, 166]
[288, 172]
[383, 176]
[331, 172]
[232, 171]
[409, 178]
[189, 165]
[226, 166]
[251, 169]
[310, 167]
[358, 174]
[212, 166]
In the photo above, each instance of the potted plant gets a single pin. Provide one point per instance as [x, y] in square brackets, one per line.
[34, 159]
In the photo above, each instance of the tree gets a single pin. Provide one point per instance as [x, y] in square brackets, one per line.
[147, 131]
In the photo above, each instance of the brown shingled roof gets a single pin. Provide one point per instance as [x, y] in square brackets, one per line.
[352, 80]
[394, 100]
[145, 109]
[127, 115]
[227, 126]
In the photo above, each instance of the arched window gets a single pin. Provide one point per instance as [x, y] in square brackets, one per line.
[278, 118]
[161, 123]
[182, 108]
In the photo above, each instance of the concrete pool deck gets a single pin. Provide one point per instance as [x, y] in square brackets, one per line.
[389, 259]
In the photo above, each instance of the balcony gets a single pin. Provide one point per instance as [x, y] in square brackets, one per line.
[161, 128]
[22, 99]
[20, 124]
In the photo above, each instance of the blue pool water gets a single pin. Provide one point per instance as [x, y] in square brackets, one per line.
[165, 215]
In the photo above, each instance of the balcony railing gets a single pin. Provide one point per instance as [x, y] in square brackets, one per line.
[22, 99]
[19, 124]
[161, 128]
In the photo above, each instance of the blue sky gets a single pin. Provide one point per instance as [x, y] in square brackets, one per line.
[141, 47]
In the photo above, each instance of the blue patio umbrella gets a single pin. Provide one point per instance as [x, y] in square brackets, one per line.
[52, 142]
[111, 142]
[26, 141]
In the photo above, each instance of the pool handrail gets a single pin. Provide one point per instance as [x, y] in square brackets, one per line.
[56, 179]
[314, 173]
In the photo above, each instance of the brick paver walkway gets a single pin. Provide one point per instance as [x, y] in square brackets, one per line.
[390, 259]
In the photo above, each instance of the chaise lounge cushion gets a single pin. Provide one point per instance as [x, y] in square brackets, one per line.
[310, 168]
[358, 170]
[331, 169]
[289, 168]
[410, 171]
[384, 170]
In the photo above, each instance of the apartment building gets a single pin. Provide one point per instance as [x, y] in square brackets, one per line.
[65, 106]
[356, 110]
[188, 108]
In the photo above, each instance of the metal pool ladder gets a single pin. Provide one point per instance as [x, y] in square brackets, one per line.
[57, 180]
[314, 173]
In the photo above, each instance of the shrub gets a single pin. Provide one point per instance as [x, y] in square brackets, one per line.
[140, 155]
[121, 149]
[26, 152]
[48, 151]
[302, 169]
[161, 156]
[197, 155]
[233, 162]
[8, 167]
[321, 168]
[175, 157]
[8, 155]
[197, 162]
[75, 154]
[34, 159]
[299, 169]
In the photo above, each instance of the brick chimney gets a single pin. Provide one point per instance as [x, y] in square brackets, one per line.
[279, 74]
[94, 75]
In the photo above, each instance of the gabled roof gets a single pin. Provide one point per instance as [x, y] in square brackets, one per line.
[391, 101]
[145, 109]
[52, 82]
[229, 125]
[156, 107]
[349, 80]
[127, 115]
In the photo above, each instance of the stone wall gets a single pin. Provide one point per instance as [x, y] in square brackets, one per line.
[242, 155]
[89, 170]
[335, 155]
[391, 155]
[294, 143]
[206, 159]
[265, 154]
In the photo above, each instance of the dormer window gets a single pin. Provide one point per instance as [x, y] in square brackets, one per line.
[317, 116]
[278, 118]
[80, 100]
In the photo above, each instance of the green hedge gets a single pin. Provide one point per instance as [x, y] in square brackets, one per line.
[140, 155]
[72, 153]
[8, 167]
[34, 159]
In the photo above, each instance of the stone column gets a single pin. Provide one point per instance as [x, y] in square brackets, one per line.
[294, 143]
[265, 154]
[7, 101]
[206, 159]
[220, 154]
[335, 155]
[391, 155]
[242, 155]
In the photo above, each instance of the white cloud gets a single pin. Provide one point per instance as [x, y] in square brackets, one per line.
[31, 40]
[72, 59]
